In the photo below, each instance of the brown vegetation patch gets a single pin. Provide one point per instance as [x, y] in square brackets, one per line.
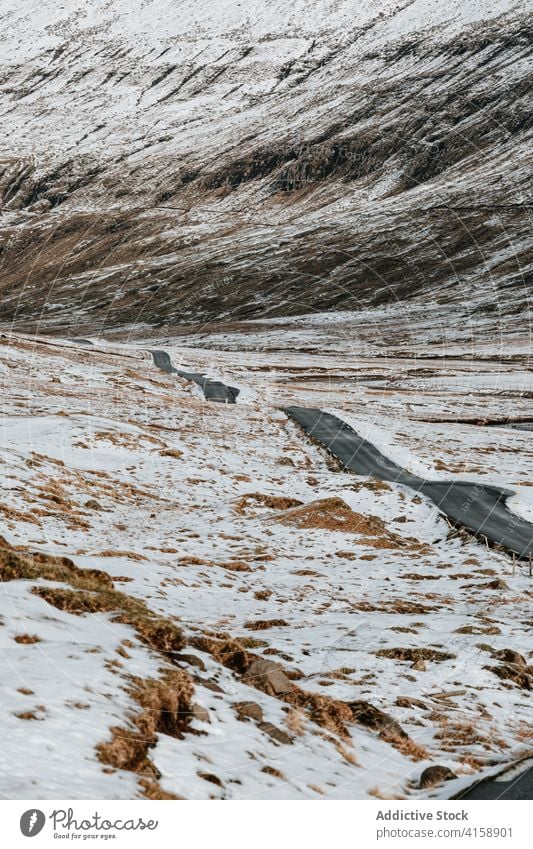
[477, 629]
[374, 484]
[151, 789]
[258, 499]
[401, 606]
[12, 515]
[27, 639]
[275, 773]
[131, 555]
[16, 565]
[155, 631]
[455, 734]
[265, 624]
[165, 709]
[92, 592]
[520, 675]
[236, 566]
[413, 655]
[333, 514]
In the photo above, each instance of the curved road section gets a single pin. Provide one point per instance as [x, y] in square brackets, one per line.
[213, 390]
[480, 508]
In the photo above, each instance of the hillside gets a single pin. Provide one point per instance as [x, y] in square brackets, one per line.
[169, 163]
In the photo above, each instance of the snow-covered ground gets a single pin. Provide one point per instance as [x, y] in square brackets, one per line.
[201, 512]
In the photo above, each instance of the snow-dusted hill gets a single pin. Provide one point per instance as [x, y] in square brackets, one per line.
[167, 161]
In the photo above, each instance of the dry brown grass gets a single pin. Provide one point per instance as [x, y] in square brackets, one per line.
[333, 514]
[16, 565]
[271, 770]
[165, 708]
[171, 452]
[27, 639]
[110, 552]
[155, 631]
[258, 499]
[408, 747]
[12, 515]
[522, 676]
[236, 566]
[151, 789]
[376, 793]
[296, 722]
[92, 592]
[413, 655]
[373, 484]
[265, 624]
[331, 714]
[455, 734]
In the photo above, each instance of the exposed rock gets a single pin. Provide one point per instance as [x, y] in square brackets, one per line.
[434, 775]
[191, 660]
[410, 702]
[378, 720]
[201, 713]
[209, 685]
[249, 710]
[275, 733]
[268, 676]
[93, 504]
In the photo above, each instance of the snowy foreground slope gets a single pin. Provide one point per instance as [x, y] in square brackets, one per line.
[195, 603]
[173, 162]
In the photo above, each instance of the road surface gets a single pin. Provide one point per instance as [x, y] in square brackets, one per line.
[213, 390]
[481, 508]
[513, 783]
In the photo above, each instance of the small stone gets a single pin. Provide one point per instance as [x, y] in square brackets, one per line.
[269, 677]
[209, 685]
[419, 665]
[434, 775]
[191, 660]
[366, 714]
[249, 710]
[201, 713]
[93, 504]
[410, 702]
[275, 733]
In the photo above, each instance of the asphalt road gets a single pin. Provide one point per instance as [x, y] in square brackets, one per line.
[514, 783]
[213, 390]
[479, 507]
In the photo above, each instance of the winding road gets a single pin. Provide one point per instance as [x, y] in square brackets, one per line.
[481, 508]
[213, 390]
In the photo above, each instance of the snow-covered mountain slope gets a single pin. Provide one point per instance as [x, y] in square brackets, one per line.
[166, 161]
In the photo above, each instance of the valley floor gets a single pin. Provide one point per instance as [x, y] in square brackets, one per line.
[260, 624]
